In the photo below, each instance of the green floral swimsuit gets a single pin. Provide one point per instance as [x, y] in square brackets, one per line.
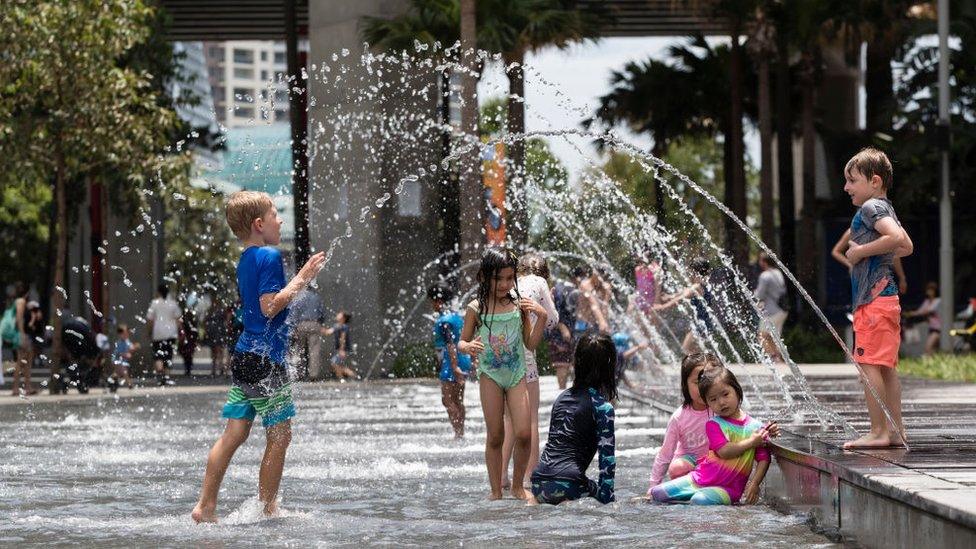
[503, 359]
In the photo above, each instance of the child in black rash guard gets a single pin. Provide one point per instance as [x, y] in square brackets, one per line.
[581, 426]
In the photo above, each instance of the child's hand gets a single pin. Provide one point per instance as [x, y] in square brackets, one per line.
[312, 267]
[772, 430]
[854, 254]
[751, 495]
[475, 346]
[530, 306]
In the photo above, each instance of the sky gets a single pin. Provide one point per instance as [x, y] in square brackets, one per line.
[563, 86]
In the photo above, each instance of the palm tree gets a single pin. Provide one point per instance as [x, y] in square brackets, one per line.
[687, 95]
[762, 46]
[429, 22]
[514, 28]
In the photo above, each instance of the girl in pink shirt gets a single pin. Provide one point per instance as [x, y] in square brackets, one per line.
[736, 442]
[685, 444]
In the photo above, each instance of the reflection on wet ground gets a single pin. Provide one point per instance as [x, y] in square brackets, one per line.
[370, 464]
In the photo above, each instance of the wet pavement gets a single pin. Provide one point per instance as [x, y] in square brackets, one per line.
[936, 475]
[371, 464]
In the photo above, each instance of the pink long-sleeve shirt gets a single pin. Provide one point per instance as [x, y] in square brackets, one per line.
[685, 434]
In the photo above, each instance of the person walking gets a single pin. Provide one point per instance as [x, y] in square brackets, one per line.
[306, 318]
[770, 289]
[163, 321]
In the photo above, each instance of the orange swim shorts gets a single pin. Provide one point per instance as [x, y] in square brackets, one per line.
[877, 331]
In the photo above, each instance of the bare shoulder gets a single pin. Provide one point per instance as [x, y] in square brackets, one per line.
[473, 306]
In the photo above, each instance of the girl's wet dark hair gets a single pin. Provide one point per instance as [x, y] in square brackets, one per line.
[493, 260]
[594, 363]
[688, 365]
[710, 376]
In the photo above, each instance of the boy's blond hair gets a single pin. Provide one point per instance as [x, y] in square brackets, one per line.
[243, 207]
[871, 162]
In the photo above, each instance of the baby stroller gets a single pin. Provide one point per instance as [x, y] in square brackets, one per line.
[83, 352]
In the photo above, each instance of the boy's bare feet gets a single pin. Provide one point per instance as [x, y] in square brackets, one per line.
[494, 495]
[204, 514]
[506, 484]
[870, 440]
[271, 509]
[531, 500]
[518, 492]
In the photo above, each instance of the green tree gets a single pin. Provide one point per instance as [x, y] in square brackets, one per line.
[687, 95]
[69, 110]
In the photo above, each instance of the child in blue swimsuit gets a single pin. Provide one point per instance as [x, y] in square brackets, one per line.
[454, 365]
[500, 318]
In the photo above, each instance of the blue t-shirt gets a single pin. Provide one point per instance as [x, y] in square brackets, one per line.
[122, 347]
[261, 271]
[450, 322]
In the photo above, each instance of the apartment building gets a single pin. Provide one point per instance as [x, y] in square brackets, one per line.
[248, 81]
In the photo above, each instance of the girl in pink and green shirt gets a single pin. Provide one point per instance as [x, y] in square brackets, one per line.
[736, 443]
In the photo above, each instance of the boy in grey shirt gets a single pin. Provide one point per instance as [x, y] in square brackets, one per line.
[876, 238]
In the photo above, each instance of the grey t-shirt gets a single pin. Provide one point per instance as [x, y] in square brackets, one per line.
[769, 290]
[868, 272]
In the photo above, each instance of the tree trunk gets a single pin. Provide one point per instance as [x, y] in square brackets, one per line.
[472, 187]
[57, 297]
[784, 153]
[879, 86]
[766, 154]
[450, 213]
[737, 192]
[518, 228]
[807, 236]
[95, 214]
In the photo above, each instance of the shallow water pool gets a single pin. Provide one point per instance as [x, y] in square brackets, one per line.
[369, 464]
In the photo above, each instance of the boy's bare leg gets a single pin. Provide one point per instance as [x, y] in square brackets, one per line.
[235, 433]
[879, 435]
[493, 405]
[279, 437]
[517, 400]
[892, 386]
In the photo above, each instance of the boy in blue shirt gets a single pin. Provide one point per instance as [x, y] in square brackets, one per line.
[877, 237]
[260, 381]
[454, 365]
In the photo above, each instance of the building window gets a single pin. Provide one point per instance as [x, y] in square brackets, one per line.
[264, 75]
[264, 56]
[243, 94]
[216, 52]
[279, 58]
[240, 72]
[281, 115]
[408, 203]
[281, 97]
[244, 112]
[218, 93]
[243, 56]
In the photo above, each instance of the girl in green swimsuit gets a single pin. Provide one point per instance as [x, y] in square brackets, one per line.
[497, 330]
